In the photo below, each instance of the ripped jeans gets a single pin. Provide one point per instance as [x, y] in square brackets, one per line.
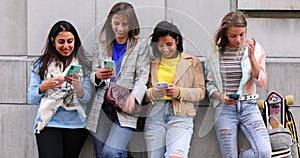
[245, 116]
[167, 134]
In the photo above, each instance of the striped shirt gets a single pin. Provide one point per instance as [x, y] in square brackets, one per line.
[231, 70]
[248, 83]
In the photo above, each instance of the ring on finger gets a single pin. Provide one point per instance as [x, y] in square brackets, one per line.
[56, 82]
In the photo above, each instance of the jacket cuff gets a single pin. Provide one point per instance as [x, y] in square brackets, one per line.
[139, 92]
[93, 79]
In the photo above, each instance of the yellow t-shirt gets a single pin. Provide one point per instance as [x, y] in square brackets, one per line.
[166, 71]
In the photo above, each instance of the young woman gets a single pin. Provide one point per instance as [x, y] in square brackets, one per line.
[236, 66]
[118, 42]
[169, 126]
[60, 121]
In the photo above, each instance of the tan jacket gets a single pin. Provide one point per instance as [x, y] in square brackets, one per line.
[189, 76]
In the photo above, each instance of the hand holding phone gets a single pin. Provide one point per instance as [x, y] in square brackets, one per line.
[109, 64]
[73, 68]
[159, 90]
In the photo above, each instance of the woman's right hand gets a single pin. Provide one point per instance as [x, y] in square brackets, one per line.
[103, 73]
[158, 92]
[51, 83]
[226, 100]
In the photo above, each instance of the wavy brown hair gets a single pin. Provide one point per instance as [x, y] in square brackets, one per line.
[232, 19]
[107, 35]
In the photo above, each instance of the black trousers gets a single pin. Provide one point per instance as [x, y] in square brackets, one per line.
[60, 142]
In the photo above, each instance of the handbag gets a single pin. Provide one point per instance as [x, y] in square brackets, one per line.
[116, 96]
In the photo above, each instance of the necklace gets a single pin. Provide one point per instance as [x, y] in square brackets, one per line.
[240, 51]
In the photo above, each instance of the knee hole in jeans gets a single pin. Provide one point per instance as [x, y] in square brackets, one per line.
[225, 132]
[176, 154]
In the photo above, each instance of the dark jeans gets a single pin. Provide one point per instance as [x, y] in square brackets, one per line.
[60, 142]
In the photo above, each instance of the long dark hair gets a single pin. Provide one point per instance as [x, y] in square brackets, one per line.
[231, 19]
[162, 29]
[107, 35]
[50, 53]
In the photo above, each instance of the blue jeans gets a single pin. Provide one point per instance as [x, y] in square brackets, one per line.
[113, 139]
[246, 116]
[167, 134]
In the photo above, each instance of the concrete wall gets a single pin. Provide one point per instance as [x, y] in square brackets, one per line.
[25, 24]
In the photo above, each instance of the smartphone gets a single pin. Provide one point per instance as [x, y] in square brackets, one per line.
[162, 84]
[109, 64]
[73, 68]
[234, 96]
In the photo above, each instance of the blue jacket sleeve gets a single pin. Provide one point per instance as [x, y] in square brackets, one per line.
[86, 84]
[33, 95]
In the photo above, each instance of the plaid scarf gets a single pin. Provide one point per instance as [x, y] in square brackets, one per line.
[65, 96]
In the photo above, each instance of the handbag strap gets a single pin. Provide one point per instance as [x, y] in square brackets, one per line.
[272, 125]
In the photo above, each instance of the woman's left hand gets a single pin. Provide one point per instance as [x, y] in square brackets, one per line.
[74, 80]
[129, 105]
[251, 46]
[172, 91]
[255, 67]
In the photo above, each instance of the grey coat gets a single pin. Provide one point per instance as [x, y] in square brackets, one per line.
[133, 75]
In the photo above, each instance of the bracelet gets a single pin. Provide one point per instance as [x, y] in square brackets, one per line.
[180, 93]
[220, 96]
[151, 96]
[81, 92]
[42, 90]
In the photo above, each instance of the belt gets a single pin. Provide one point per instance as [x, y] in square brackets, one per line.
[248, 97]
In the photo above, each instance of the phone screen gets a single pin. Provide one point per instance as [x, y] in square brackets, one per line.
[162, 84]
[234, 96]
